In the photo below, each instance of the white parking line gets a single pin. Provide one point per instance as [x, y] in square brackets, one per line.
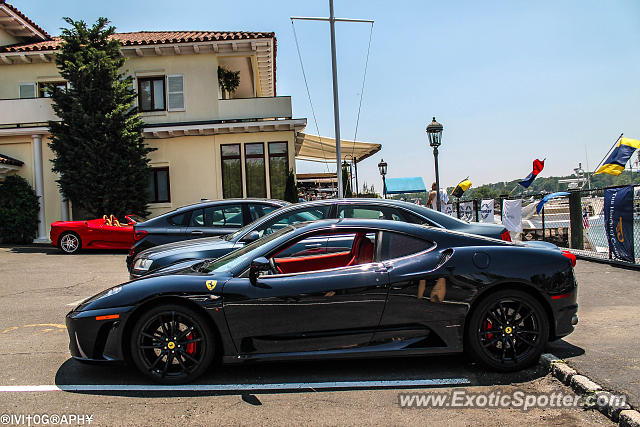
[235, 387]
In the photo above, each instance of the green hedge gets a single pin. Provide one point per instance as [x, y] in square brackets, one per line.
[18, 211]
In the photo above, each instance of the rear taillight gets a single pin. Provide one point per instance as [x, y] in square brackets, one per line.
[506, 236]
[138, 235]
[571, 257]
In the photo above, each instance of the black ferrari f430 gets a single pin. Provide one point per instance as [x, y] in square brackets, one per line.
[333, 289]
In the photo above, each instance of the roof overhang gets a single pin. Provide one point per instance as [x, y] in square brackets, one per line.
[323, 149]
[5, 169]
[18, 25]
[172, 131]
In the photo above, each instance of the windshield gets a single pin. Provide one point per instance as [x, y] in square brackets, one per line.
[136, 218]
[244, 254]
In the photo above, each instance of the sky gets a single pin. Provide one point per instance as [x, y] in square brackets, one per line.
[510, 81]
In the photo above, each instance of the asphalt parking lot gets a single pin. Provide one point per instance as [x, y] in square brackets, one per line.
[38, 286]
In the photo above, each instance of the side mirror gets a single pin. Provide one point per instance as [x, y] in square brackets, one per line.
[258, 265]
[251, 237]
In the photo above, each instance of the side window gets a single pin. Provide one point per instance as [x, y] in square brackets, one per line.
[316, 245]
[177, 219]
[415, 219]
[360, 212]
[370, 212]
[197, 218]
[257, 210]
[396, 245]
[343, 249]
[288, 218]
[227, 216]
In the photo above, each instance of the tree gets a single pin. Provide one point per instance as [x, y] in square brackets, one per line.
[291, 188]
[18, 211]
[98, 145]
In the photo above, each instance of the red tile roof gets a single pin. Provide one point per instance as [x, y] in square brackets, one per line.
[23, 16]
[142, 38]
[10, 161]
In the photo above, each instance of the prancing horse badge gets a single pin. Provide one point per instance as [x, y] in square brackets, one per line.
[211, 284]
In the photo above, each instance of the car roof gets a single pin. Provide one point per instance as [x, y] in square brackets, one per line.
[205, 203]
[362, 223]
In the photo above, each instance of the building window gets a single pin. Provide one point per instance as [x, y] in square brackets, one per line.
[43, 91]
[151, 94]
[27, 90]
[278, 168]
[231, 171]
[255, 172]
[159, 188]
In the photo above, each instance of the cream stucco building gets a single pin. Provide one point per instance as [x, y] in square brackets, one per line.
[207, 146]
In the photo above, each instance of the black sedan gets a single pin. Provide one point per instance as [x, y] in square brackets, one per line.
[161, 256]
[205, 219]
[399, 289]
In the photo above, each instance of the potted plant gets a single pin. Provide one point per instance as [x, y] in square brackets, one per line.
[228, 81]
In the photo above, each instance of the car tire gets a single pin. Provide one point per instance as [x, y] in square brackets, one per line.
[162, 349]
[507, 331]
[69, 243]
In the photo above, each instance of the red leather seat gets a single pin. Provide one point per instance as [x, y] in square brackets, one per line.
[362, 250]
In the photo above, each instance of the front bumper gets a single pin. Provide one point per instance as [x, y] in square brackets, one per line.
[96, 335]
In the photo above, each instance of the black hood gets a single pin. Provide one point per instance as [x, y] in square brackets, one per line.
[185, 246]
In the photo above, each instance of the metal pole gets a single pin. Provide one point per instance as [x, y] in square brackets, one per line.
[435, 155]
[384, 187]
[336, 107]
[606, 155]
[543, 234]
[355, 167]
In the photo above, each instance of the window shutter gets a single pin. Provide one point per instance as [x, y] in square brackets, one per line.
[27, 90]
[175, 92]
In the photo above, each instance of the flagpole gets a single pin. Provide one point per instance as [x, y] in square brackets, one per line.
[606, 155]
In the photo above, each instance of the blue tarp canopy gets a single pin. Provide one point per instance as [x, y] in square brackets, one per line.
[405, 185]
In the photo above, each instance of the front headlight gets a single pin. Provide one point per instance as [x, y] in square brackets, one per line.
[109, 292]
[142, 264]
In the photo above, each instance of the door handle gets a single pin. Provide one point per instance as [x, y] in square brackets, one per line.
[313, 245]
[197, 232]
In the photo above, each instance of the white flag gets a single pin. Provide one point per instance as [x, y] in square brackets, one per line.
[466, 211]
[512, 215]
[447, 208]
[486, 211]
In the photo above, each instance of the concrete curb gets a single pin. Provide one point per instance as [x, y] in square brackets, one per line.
[624, 415]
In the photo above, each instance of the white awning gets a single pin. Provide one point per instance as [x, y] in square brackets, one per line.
[323, 149]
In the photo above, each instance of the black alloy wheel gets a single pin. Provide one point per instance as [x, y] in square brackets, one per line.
[172, 344]
[507, 331]
[70, 243]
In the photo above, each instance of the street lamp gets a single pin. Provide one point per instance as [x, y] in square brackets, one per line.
[434, 131]
[383, 171]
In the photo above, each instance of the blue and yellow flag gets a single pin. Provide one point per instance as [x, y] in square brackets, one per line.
[614, 165]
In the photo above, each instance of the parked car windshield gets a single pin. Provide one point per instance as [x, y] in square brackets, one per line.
[244, 254]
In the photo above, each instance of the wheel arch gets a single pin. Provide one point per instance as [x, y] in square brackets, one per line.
[519, 286]
[166, 299]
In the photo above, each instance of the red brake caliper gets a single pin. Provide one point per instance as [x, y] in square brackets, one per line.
[191, 347]
[487, 326]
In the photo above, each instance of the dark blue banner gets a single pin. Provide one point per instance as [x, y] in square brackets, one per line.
[618, 221]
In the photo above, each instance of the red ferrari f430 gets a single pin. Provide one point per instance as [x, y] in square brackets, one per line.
[103, 233]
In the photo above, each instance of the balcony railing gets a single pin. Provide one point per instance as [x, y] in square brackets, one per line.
[26, 111]
[31, 111]
[255, 108]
